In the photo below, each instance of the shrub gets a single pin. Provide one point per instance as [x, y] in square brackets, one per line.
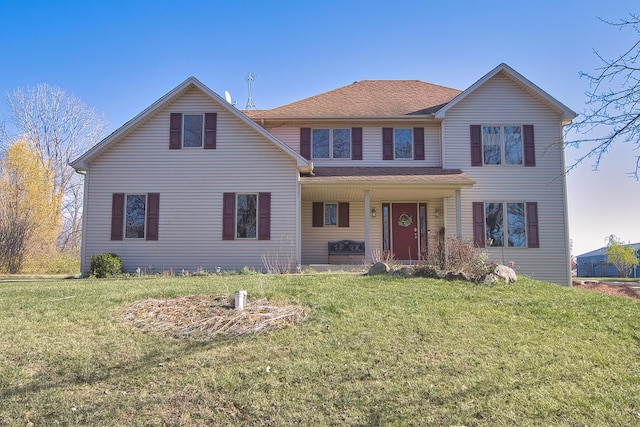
[105, 265]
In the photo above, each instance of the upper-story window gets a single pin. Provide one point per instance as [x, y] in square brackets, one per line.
[331, 143]
[502, 145]
[192, 130]
[402, 144]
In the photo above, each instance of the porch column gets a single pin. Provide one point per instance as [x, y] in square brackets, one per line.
[367, 226]
[458, 214]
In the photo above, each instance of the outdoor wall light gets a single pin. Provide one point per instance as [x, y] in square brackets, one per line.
[374, 212]
[438, 212]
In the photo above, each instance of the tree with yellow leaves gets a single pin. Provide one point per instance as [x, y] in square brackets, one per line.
[29, 207]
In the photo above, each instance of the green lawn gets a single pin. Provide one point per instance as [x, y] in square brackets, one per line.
[373, 351]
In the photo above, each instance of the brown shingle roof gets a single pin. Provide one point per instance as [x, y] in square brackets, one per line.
[367, 98]
[388, 175]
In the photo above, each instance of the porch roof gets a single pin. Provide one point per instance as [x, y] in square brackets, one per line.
[388, 175]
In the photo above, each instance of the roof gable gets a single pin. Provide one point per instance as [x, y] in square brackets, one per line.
[81, 162]
[367, 98]
[567, 113]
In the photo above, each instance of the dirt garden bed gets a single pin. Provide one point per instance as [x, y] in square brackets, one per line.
[607, 288]
[203, 317]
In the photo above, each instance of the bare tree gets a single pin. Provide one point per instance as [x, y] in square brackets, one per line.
[59, 127]
[613, 102]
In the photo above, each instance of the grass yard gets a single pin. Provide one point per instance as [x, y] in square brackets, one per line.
[373, 351]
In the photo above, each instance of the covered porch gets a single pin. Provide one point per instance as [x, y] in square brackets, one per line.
[398, 213]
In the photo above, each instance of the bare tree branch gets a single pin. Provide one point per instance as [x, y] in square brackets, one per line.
[613, 100]
[59, 127]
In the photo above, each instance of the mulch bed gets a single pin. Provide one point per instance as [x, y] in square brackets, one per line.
[608, 288]
[203, 317]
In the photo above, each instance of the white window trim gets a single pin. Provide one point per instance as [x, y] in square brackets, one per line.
[200, 147]
[394, 145]
[146, 212]
[502, 145]
[331, 145]
[235, 219]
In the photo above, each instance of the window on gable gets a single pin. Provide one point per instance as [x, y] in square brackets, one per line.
[135, 216]
[331, 143]
[502, 145]
[403, 143]
[501, 228]
[192, 130]
[246, 216]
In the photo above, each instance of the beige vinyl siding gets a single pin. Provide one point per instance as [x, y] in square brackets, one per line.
[191, 183]
[315, 239]
[502, 102]
[371, 144]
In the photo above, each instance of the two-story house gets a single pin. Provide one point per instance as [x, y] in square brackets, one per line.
[192, 182]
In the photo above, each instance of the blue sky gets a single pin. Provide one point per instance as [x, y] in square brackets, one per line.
[121, 56]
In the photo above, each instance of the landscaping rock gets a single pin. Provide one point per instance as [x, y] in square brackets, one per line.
[506, 273]
[428, 271]
[378, 268]
[403, 271]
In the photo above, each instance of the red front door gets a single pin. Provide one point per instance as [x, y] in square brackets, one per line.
[404, 230]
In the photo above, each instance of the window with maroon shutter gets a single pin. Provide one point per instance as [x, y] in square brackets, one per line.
[532, 225]
[476, 145]
[418, 143]
[305, 143]
[529, 146]
[387, 143]
[478, 224]
[318, 214]
[153, 215]
[343, 214]
[117, 216]
[210, 130]
[356, 143]
[228, 216]
[175, 131]
[264, 216]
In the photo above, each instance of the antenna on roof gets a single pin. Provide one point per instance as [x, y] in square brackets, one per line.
[227, 96]
[250, 104]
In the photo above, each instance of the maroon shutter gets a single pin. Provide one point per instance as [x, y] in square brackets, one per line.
[529, 145]
[343, 214]
[478, 224]
[175, 131]
[153, 215]
[532, 225]
[228, 216]
[117, 216]
[210, 130]
[418, 143]
[476, 145]
[264, 216]
[356, 143]
[305, 143]
[318, 214]
[387, 143]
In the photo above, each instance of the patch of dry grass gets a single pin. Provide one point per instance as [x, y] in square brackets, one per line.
[203, 317]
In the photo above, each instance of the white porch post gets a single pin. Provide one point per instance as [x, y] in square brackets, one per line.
[458, 214]
[367, 226]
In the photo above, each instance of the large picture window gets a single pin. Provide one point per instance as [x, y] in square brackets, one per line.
[135, 216]
[505, 222]
[502, 145]
[331, 143]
